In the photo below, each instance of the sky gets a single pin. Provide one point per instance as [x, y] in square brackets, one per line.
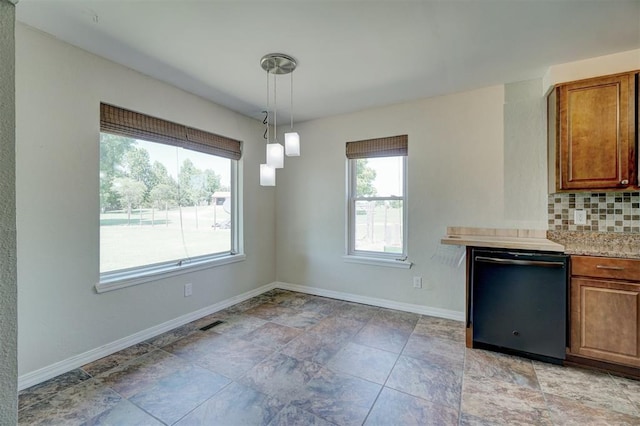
[388, 175]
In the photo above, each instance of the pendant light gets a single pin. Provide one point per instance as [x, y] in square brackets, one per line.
[267, 175]
[267, 172]
[292, 144]
[292, 139]
[275, 151]
[276, 64]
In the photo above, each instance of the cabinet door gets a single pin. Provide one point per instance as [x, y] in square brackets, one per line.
[596, 131]
[605, 322]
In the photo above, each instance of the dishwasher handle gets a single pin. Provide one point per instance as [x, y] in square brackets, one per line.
[541, 263]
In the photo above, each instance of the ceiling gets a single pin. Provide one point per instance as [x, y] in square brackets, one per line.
[352, 55]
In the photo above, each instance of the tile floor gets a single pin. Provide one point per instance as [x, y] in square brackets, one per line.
[286, 358]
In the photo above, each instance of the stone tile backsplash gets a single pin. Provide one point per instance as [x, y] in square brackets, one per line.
[606, 212]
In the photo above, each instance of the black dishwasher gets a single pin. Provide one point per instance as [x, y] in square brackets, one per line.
[519, 302]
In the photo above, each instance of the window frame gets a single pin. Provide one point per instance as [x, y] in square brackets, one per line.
[122, 278]
[352, 255]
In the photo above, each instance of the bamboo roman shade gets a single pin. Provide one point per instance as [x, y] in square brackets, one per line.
[131, 124]
[391, 146]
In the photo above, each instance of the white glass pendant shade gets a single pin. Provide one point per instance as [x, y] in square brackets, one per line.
[275, 155]
[292, 144]
[267, 175]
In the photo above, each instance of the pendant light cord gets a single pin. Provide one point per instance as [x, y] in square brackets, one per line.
[266, 114]
[275, 109]
[291, 103]
[266, 123]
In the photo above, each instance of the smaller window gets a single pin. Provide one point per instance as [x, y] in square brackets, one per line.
[377, 198]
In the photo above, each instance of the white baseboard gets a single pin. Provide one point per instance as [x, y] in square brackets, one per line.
[53, 370]
[383, 303]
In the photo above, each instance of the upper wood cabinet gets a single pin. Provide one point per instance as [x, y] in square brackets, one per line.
[592, 134]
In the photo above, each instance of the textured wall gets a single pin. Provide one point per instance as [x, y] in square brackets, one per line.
[8, 291]
[476, 158]
[525, 153]
[455, 177]
[592, 67]
[59, 89]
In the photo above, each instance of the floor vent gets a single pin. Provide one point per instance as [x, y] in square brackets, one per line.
[210, 326]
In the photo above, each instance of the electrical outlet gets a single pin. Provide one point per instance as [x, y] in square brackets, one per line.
[579, 217]
[188, 290]
[417, 282]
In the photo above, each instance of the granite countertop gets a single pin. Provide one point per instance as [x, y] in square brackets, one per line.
[605, 244]
[526, 239]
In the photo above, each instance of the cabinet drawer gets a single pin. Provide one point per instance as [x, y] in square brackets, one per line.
[605, 267]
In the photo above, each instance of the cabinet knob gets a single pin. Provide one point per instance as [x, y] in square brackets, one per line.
[624, 182]
[516, 333]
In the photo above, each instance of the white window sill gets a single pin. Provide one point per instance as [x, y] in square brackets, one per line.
[376, 261]
[118, 280]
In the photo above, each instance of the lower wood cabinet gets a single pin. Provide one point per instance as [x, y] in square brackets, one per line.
[605, 309]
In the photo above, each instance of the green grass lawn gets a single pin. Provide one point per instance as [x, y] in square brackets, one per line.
[157, 236]
[154, 237]
[379, 230]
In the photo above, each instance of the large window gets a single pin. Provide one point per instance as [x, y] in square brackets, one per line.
[168, 196]
[377, 198]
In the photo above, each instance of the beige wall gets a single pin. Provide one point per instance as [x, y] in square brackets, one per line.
[525, 153]
[59, 89]
[464, 155]
[8, 292]
[456, 176]
[476, 158]
[592, 67]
